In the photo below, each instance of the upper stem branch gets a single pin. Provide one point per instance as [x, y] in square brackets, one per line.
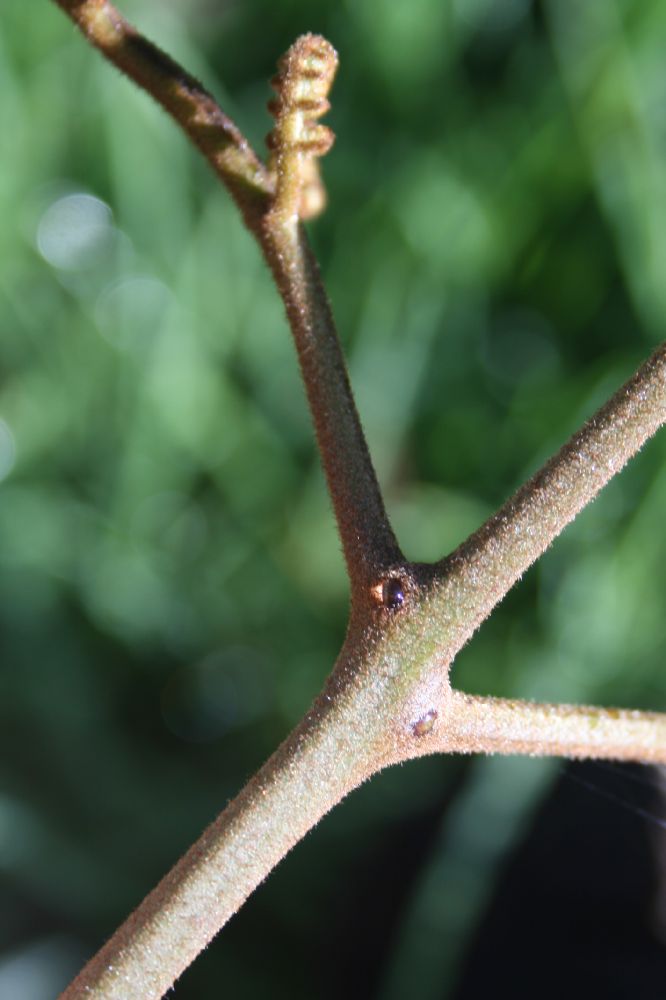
[474, 578]
[368, 542]
[185, 99]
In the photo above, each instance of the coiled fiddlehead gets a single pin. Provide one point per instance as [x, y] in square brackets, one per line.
[304, 78]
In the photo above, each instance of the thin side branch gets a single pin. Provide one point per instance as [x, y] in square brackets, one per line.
[498, 725]
[479, 573]
[185, 99]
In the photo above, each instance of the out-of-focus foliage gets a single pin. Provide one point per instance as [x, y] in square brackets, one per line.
[172, 592]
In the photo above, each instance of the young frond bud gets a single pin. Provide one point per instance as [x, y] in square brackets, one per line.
[305, 75]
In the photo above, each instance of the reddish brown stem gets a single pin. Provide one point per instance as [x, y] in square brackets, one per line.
[367, 539]
[183, 97]
[368, 542]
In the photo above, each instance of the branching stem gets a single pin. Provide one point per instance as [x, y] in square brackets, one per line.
[389, 697]
[271, 212]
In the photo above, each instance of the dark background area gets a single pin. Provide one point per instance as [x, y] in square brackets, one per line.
[172, 592]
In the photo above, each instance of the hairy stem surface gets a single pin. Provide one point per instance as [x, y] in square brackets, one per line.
[474, 578]
[183, 97]
[368, 542]
[367, 539]
[499, 725]
[389, 698]
[296, 786]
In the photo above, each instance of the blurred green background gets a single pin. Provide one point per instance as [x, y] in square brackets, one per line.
[172, 592]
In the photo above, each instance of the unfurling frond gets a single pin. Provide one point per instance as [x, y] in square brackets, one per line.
[305, 75]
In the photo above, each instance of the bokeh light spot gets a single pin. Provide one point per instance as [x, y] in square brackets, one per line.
[74, 231]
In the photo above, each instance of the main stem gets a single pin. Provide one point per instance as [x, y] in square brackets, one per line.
[315, 767]
[349, 733]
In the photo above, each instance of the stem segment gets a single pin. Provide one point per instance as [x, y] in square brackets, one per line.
[183, 97]
[326, 756]
[368, 542]
[498, 725]
[474, 578]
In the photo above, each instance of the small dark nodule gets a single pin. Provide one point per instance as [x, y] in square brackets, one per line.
[393, 593]
[389, 592]
[423, 726]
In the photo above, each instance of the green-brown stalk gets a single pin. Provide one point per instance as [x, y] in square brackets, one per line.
[388, 697]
